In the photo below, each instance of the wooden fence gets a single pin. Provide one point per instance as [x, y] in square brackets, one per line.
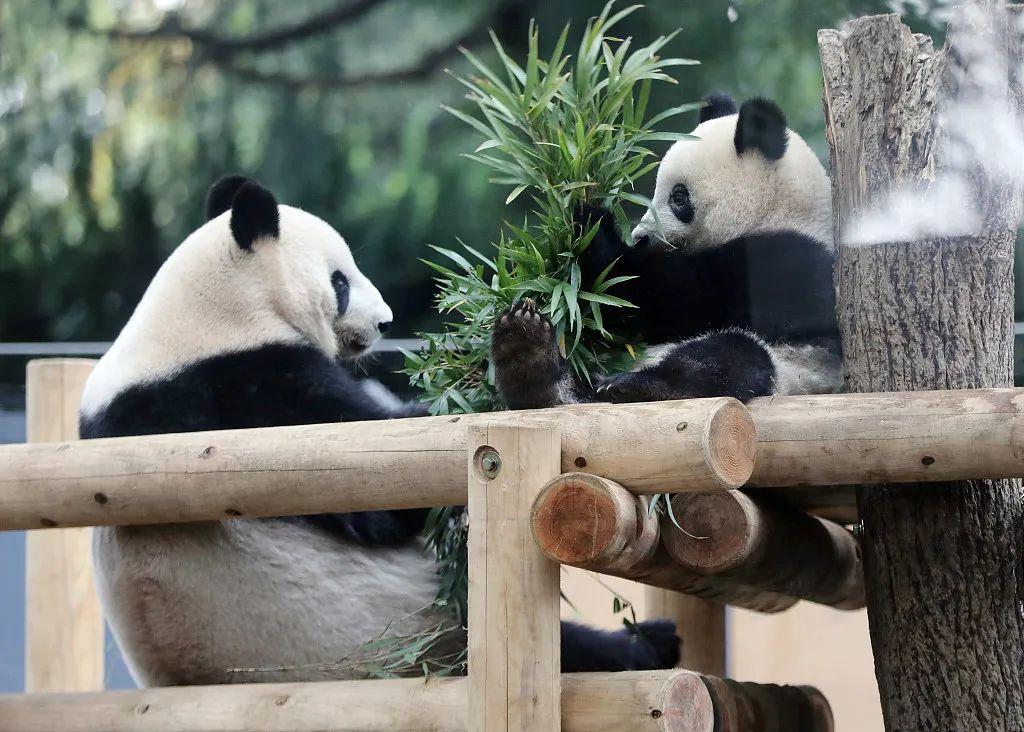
[528, 479]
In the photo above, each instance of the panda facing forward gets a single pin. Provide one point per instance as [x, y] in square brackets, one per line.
[737, 300]
[243, 326]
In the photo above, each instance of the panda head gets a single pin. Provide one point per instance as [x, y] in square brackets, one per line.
[746, 174]
[297, 264]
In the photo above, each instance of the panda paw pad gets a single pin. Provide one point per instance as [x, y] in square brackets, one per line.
[523, 323]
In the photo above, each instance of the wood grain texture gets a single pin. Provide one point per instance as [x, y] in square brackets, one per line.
[700, 624]
[64, 635]
[699, 444]
[943, 562]
[637, 701]
[596, 524]
[514, 636]
[731, 536]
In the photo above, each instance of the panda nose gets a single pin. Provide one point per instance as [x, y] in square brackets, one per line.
[383, 327]
[642, 241]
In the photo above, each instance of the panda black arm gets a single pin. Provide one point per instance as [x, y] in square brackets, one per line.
[273, 385]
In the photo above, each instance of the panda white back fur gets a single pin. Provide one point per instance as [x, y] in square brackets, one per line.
[732, 268]
[242, 327]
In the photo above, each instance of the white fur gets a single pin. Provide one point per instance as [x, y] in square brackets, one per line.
[211, 297]
[188, 602]
[737, 195]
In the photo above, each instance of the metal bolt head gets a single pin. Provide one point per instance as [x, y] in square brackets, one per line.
[490, 463]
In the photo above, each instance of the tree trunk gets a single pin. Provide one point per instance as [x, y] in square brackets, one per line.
[943, 561]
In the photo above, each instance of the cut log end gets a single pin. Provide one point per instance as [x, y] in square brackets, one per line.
[719, 530]
[730, 442]
[585, 520]
[687, 704]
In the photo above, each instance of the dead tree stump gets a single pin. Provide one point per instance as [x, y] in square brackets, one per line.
[932, 310]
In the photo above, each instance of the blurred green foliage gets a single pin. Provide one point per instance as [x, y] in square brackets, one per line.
[116, 115]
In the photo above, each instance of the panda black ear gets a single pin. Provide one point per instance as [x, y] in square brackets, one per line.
[221, 193]
[717, 104]
[761, 126]
[253, 214]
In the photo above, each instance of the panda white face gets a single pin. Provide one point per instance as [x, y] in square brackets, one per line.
[322, 292]
[747, 174]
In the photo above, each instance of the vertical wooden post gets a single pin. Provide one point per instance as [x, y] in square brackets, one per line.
[63, 622]
[514, 635]
[701, 626]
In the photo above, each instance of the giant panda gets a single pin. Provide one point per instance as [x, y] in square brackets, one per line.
[731, 276]
[244, 326]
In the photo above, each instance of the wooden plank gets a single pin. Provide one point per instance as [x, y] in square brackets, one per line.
[633, 701]
[514, 636]
[698, 444]
[701, 627]
[63, 621]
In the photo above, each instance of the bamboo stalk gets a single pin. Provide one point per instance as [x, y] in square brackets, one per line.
[594, 523]
[735, 538]
[63, 621]
[404, 463]
[639, 701]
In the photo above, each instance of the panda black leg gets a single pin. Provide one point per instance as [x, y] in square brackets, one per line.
[726, 363]
[645, 646]
[528, 368]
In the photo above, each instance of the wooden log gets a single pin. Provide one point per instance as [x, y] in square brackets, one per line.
[731, 536]
[514, 635]
[743, 707]
[594, 523]
[700, 624]
[845, 439]
[699, 444]
[64, 634]
[638, 701]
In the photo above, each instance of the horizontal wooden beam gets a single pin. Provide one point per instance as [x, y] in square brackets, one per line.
[594, 523]
[640, 701]
[902, 437]
[700, 444]
[731, 537]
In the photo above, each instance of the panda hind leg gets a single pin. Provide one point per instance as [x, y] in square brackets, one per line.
[529, 371]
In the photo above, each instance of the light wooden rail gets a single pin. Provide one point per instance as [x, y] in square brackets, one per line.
[633, 701]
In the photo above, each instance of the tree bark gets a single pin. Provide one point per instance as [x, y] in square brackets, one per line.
[943, 569]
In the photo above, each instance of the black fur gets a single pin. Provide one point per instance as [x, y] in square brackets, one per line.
[274, 385]
[254, 215]
[700, 300]
[649, 645]
[724, 363]
[717, 104]
[342, 291]
[221, 193]
[761, 126]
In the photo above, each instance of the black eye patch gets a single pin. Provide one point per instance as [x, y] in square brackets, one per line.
[679, 203]
[341, 289]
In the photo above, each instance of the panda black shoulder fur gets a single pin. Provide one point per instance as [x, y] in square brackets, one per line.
[243, 326]
[738, 302]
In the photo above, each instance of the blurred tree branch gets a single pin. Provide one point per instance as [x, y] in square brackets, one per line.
[221, 51]
[218, 46]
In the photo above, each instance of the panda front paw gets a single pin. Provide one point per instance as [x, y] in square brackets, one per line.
[527, 364]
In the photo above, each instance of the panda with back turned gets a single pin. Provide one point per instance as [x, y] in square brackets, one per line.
[243, 326]
[731, 276]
